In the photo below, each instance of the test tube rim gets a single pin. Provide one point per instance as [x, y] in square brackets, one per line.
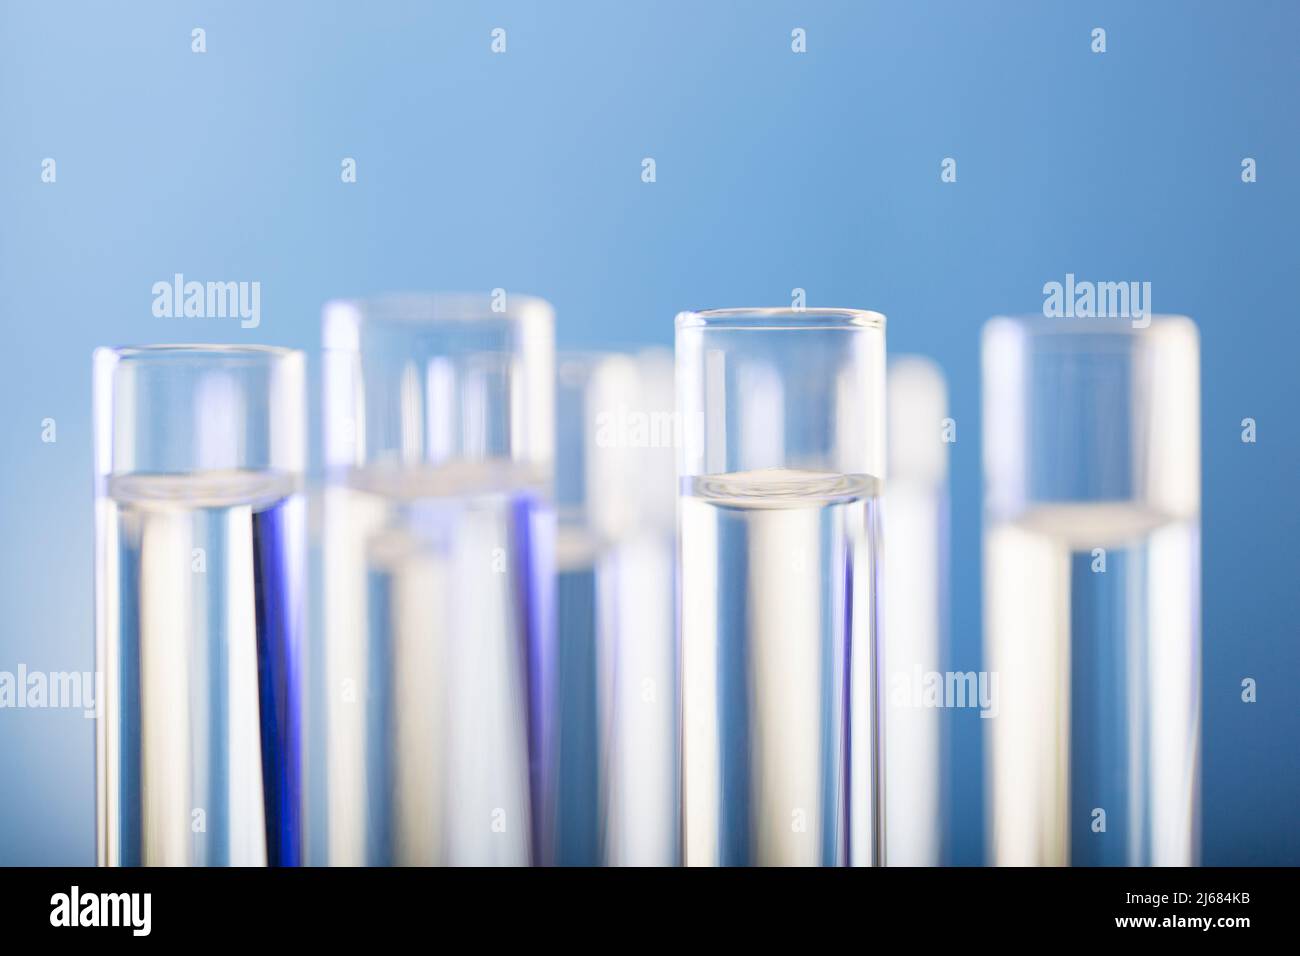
[1037, 324]
[417, 309]
[781, 318]
[223, 351]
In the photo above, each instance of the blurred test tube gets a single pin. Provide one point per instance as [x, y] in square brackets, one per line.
[914, 582]
[435, 664]
[1092, 590]
[615, 497]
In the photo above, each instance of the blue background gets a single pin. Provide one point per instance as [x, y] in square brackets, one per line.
[775, 171]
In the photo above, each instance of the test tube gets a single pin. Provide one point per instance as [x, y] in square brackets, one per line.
[616, 500]
[437, 686]
[780, 470]
[1092, 590]
[199, 456]
[914, 582]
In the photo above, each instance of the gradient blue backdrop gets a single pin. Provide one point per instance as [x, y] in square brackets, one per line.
[775, 170]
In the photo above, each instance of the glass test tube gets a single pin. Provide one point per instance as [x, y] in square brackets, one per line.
[616, 502]
[781, 464]
[914, 582]
[438, 683]
[199, 455]
[1092, 590]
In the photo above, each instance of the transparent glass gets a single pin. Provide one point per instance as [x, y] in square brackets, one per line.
[616, 498]
[437, 684]
[782, 459]
[198, 604]
[1092, 590]
[914, 609]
